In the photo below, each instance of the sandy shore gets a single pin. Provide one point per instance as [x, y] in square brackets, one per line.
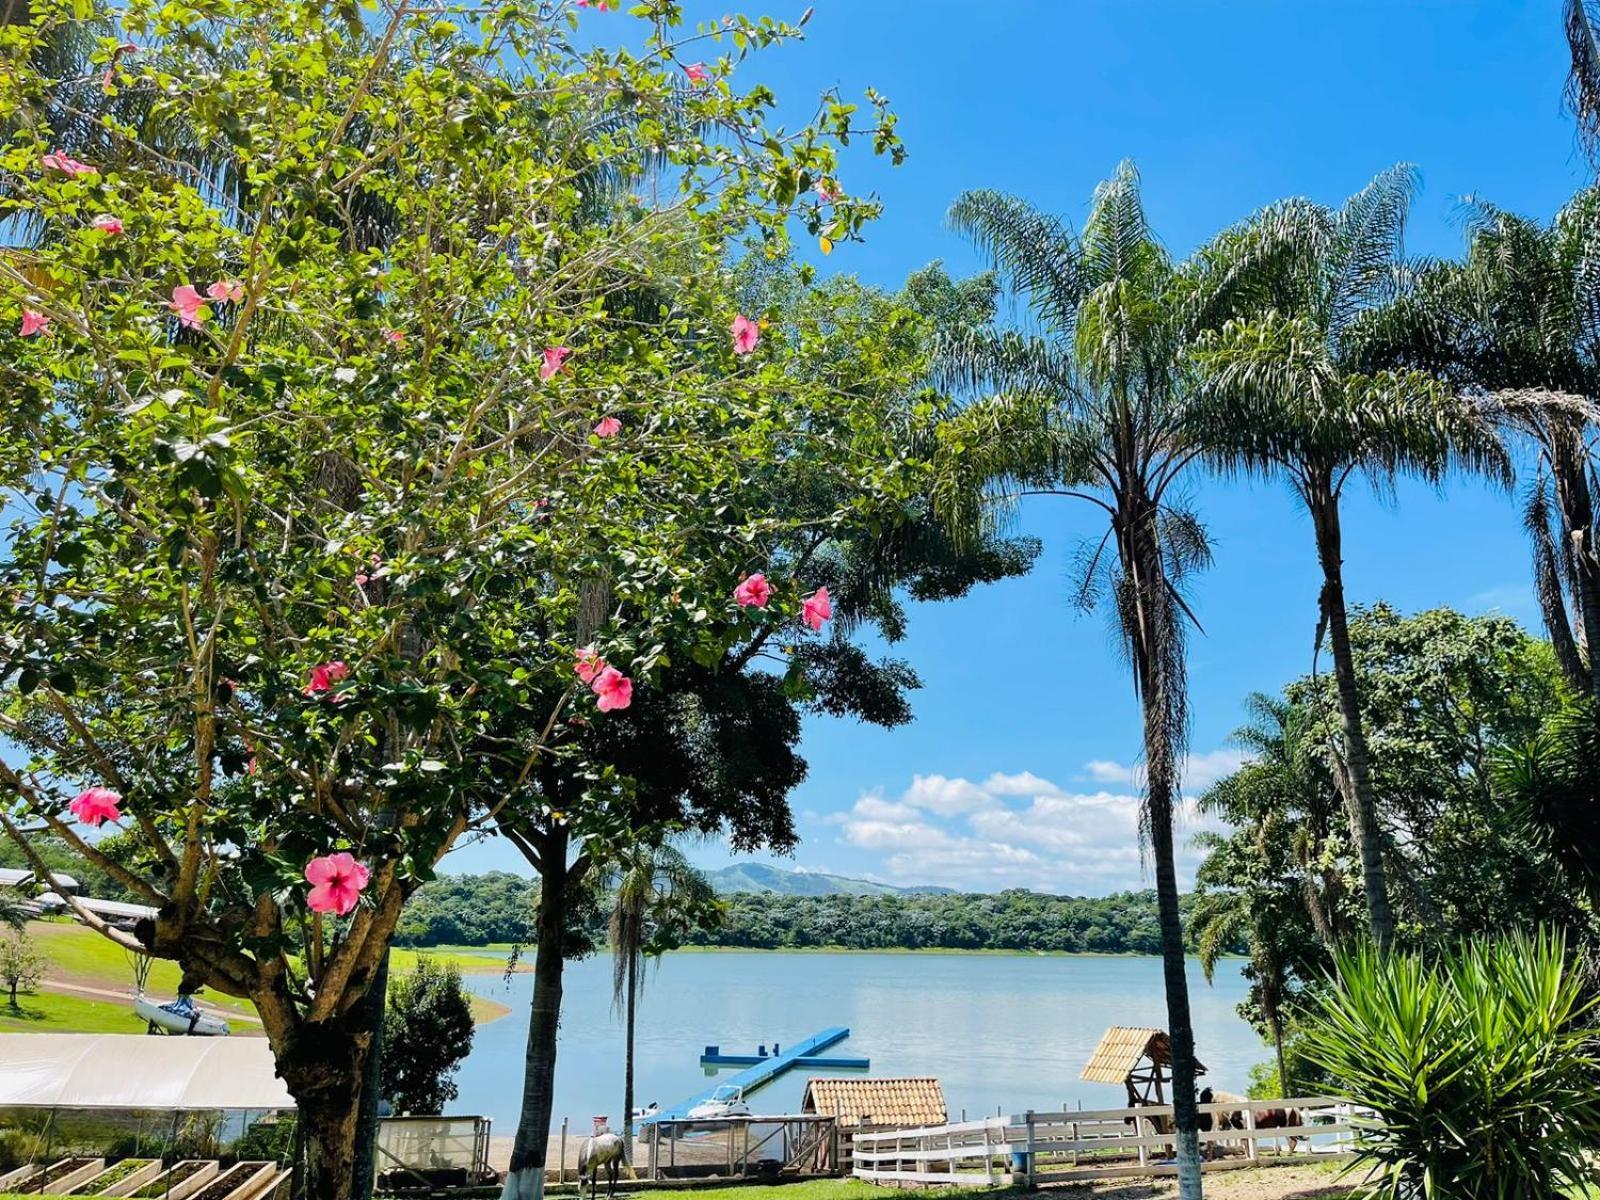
[1263, 1183]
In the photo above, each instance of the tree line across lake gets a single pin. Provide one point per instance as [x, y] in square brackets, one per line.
[497, 907]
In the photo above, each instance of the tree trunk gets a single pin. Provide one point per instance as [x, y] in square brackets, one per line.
[1324, 506]
[627, 1067]
[323, 1066]
[366, 1152]
[1180, 1026]
[1569, 462]
[1164, 713]
[525, 1179]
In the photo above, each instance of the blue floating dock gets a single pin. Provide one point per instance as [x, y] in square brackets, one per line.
[760, 1070]
[817, 1061]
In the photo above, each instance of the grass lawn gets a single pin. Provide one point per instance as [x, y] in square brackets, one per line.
[54, 1012]
[78, 955]
[472, 960]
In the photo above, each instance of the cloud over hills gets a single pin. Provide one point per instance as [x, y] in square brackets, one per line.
[1022, 830]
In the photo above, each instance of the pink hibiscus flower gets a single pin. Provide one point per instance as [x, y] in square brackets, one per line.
[589, 664]
[230, 290]
[696, 73]
[324, 676]
[753, 592]
[816, 608]
[746, 334]
[554, 358]
[188, 303]
[63, 162]
[397, 337]
[614, 689]
[608, 427]
[107, 224]
[336, 881]
[96, 806]
[34, 323]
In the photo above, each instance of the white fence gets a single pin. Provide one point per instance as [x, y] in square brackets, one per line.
[1033, 1148]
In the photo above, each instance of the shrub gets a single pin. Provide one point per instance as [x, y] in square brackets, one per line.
[1484, 1080]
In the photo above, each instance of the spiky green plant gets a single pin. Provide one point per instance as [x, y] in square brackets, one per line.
[1485, 1081]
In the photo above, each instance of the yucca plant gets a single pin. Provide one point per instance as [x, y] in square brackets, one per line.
[1484, 1079]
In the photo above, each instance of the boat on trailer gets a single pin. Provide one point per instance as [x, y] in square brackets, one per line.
[181, 1016]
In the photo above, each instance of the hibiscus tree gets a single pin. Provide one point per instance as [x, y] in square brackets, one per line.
[307, 531]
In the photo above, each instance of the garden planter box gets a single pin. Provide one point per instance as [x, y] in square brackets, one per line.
[58, 1177]
[262, 1184]
[179, 1182]
[120, 1178]
[242, 1181]
[16, 1175]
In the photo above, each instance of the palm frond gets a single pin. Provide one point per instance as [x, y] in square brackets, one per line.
[1582, 21]
[1036, 254]
[1367, 242]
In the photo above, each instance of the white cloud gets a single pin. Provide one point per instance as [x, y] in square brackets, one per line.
[1199, 771]
[1021, 830]
[1104, 770]
[947, 797]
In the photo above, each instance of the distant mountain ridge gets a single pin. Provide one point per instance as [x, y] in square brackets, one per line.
[761, 878]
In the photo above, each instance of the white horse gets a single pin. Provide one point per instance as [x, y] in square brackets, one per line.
[602, 1148]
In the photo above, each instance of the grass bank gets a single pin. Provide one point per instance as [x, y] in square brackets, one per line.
[90, 980]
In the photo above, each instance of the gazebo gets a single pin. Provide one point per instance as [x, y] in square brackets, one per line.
[1139, 1059]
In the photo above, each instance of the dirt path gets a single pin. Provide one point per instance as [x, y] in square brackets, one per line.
[1262, 1183]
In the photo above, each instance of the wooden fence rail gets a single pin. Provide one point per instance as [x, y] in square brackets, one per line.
[1035, 1147]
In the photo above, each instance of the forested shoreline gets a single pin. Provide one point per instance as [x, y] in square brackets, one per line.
[497, 907]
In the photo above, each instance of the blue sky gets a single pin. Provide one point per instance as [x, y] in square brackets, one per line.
[1224, 107]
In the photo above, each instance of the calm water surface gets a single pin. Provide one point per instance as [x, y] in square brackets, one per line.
[1008, 1031]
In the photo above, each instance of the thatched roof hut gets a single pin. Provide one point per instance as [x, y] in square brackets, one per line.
[1139, 1059]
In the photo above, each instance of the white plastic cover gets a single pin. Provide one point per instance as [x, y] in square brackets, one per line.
[110, 1070]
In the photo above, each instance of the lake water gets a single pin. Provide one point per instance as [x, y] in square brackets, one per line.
[1007, 1031]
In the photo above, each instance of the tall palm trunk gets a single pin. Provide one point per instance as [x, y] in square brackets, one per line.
[627, 1069]
[1180, 1025]
[1324, 506]
[1150, 631]
[525, 1179]
[1569, 461]
[1269, 971]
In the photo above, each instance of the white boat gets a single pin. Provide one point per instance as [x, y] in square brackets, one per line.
[180, 1016]
[726, 1101]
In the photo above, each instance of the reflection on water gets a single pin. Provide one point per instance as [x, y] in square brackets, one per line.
[998, 1031]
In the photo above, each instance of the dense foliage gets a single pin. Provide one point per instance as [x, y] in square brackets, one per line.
[427, 1031]
[498, 907]
[382, 468]
[1451, 704]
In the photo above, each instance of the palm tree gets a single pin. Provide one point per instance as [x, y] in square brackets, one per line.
[659, 897]
[1268, 883]
[1092, 404]
[1281, 299]
[1516, 324]
[1582, 19]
